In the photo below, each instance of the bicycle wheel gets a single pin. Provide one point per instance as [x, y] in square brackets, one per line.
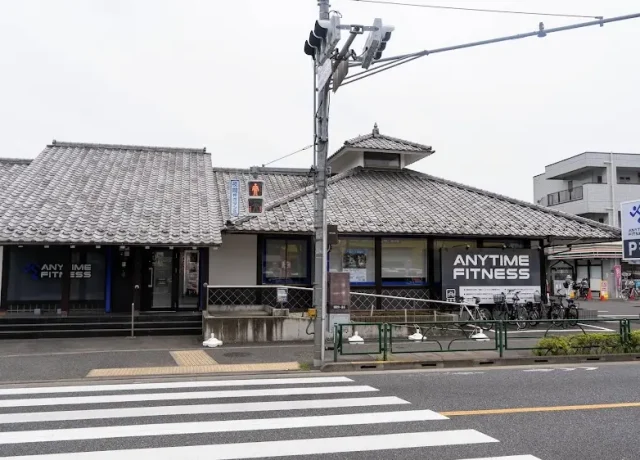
[522, 315]
[484, 315]
[572, 316]
[556, 316]
[534, 316]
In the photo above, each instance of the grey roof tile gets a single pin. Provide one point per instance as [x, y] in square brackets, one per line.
[10, 168]
[120, 194]
[375, 141]
[408, 202]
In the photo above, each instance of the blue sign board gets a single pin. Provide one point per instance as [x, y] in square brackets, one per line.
[234, 198]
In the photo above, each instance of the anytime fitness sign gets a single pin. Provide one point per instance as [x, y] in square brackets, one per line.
[56, 271]
[485, 272]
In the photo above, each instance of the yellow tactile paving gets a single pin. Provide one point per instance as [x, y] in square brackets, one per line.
[211, 369]
[193, 358]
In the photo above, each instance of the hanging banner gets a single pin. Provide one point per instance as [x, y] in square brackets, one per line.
[484, 273]
[617, 273]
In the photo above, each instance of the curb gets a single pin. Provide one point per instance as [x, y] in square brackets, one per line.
[487, 362]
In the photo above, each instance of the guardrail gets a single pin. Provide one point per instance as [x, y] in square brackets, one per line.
[490, 335]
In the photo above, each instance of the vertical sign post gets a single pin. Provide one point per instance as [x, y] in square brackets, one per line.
[234, 198]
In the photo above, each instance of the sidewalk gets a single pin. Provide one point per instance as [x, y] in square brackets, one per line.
[57, 359]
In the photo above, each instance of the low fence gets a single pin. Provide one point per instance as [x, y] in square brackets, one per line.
[584, 336]
[300, 298]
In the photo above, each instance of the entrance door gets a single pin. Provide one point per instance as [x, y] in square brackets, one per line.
[160, 279]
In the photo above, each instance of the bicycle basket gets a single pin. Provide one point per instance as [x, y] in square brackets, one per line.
[499, 298]
[537, 298]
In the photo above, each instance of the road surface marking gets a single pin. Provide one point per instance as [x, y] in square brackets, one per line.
[294, 447]
[508, 457]
[596, 327]
[192, 358]
[224, 426]
[191, 409]
[170, 385]
[177, 370]
[518, 410]
[105, 399]
[560, 369]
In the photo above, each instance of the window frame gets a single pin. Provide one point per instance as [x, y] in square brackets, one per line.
[303, 280]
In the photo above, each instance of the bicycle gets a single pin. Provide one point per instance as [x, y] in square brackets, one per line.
[534, 309]
[476, 314]
[564, 314]
[630, 290]
[514, 313]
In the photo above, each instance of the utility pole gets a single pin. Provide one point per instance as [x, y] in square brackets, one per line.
[320, 265]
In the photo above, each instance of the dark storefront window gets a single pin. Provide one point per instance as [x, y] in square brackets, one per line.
[87, 275]
[285, 261]
[404, 261]
[34, 274]
[189, 278]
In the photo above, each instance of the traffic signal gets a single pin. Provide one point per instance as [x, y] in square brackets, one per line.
[376, 43]
[327, 31]
[255, 201]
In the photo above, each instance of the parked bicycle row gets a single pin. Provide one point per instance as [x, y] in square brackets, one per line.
[521, 313]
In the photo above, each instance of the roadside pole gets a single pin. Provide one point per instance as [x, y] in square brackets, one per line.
[322, 146]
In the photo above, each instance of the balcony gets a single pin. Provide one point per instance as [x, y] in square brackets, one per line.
[565, 196]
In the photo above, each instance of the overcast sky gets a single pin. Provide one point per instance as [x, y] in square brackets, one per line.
[232, 76]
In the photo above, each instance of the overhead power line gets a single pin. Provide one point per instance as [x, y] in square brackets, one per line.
[391, 62]
[307, 147]
[477, 10]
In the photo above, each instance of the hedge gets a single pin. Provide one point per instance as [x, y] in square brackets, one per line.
[585, 344]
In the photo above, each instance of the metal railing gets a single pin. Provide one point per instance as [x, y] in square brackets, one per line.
[565, 196]
[384, 338]
[301, 297]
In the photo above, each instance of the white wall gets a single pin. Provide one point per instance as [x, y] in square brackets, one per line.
[234, 263]
[347, 162]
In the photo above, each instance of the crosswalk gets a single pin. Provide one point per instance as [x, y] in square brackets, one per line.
[222, 420]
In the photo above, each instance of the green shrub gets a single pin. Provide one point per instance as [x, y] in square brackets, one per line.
[553, 346]
[633, 344]
[584, 344]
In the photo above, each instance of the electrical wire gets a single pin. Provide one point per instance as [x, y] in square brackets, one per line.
[403, 59]
[289, 154]
[478, 10]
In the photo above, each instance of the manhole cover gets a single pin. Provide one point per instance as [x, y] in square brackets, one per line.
[237, 354]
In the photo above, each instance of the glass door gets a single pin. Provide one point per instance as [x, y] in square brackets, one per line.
[189, 279]
[161, 279]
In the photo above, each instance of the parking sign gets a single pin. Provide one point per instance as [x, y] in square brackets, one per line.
[630, 221]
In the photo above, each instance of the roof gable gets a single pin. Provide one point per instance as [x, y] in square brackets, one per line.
[100, 193]
[409, 202]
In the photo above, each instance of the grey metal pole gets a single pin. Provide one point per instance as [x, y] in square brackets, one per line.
[133, 305]
[322, 142]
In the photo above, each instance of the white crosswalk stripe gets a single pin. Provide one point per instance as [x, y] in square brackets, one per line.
[281, 417]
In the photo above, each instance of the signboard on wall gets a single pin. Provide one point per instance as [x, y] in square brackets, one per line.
[234, 198]
[630, 223]
[485, 272]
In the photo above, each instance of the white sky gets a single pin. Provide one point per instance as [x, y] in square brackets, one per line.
[231, 76]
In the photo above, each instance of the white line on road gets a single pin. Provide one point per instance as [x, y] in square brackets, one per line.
[606, 329]
[190, 409]
[508, 457]
[294, 447]
[170, 385]
[225, 426]
[105, 399]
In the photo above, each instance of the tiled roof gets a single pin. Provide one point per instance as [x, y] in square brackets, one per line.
[9, 170]
[97, 193]
[376, 141]
[409, 202]
[279, 182]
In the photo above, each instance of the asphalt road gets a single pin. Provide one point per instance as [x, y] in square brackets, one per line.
[408, 415]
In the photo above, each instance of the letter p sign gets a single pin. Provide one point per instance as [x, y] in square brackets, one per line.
[631, 249]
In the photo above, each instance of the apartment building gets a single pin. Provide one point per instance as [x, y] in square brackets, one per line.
[591, 185]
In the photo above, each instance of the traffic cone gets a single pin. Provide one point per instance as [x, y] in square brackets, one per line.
[589, 295]
[604, 296]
